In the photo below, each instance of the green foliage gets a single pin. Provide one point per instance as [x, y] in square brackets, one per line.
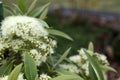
[64, 72]
[22, 4]
[14, 74]
[92, 73]
[29, 67]
[108, 68]
[95, 66]
[62, 57]
[44, 23]
[39, 10]
[6, 68]
[32, 6]
[67, 77]
[59, 33]
[31, 71]
[44, 14]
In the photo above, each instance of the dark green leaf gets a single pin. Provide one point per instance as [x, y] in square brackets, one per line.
[59, 33]
[22, 4]
[95, 65]
[92, 73]
[14, 74]
[6, 68]
[62, 57]
[30, 67]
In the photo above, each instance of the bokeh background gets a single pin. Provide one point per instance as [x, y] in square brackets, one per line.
[96, 21]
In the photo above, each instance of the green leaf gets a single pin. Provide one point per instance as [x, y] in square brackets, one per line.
[59, 33]
[106, 68]
[62, 57]
[39, 10]
[44, 14]
[29, 67]
[10, 10]
[91, 47]
[32, 6]
[18, 10]
[92, 73]
[22, 4]
[67, 77]
[14, 74]
[95, 65]
[6, 68]
[65, 72]
[44, 23]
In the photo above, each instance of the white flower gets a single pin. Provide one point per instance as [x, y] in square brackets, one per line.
[70, 67]
[33, 52]
[82, 54]
[4, 78]
[103, 57]
[75, 59]
[44, 77]
[22, 26]
[21, 33]
[54, 43]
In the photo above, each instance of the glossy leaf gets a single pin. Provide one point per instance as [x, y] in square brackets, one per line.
[59, 33]
[22, 4]
[65, 72]
[62, 57]
[32, 6]
[44, 23]
[67, 77]
[39, 10]
[95, 65]
[6, 68]
[29, 67]
[44, 14]
[14, 74]
[92, 73]
[106, 68]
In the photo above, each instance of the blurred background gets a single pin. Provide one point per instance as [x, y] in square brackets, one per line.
[96, 21]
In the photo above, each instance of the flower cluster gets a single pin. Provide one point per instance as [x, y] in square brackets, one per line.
[19, 33]
[81, 63]
[44, 77]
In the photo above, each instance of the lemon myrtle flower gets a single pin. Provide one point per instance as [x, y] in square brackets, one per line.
[19, 33]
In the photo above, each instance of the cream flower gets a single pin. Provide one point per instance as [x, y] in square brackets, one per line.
[21, 33]
[70, 67]
[44, 77]
[22, 26]
[75, 58]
